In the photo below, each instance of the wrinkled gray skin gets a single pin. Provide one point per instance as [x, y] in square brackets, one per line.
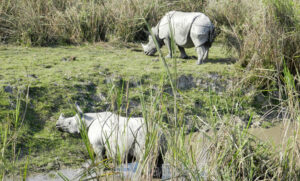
[112, 135]
[189, 29]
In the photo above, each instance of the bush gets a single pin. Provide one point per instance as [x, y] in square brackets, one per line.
[266, 36]
[39, 22]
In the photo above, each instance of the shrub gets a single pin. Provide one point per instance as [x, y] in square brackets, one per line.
[266, 36]
[38, 22]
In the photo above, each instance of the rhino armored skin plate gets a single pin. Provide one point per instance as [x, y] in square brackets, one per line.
[188, 29]
[111, 135]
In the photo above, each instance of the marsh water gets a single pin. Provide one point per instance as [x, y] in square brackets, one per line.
[276, 136]
[127, 170]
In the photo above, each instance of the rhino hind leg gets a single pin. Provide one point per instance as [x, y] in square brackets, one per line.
[99, 152]
[202, 52]
[183, 55]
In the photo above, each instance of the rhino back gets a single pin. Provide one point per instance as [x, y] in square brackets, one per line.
[117, 134]
[163, 26]
[201, 30]
[181, 23]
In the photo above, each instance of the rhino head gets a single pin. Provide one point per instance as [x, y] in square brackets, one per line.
[150, 48]
[70, 125]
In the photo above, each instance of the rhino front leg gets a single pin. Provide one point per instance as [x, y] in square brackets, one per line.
[99, 151]
[202, 52]
[183, 55]
[168, 44]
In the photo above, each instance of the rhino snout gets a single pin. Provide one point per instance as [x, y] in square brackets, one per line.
[149, 49]
[151, 52]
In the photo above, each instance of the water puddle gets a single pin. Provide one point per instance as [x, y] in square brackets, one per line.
[127, 173]
[198, 142]
[51, 176]
[276, 135]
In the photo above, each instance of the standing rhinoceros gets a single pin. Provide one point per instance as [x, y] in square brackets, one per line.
[189, 29]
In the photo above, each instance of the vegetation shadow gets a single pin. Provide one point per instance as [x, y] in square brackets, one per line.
[221, 61]
[227, 61]
[136, 50]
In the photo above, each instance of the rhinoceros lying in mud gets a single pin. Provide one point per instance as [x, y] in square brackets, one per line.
[112, 135]
[189, 29]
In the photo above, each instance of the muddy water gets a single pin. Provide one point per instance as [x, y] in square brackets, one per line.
[127, 171]
[277, 135]
[70, 173]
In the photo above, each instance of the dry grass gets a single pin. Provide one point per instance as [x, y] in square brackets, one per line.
[265, 34]
[38, 22]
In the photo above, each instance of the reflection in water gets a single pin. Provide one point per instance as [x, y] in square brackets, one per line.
[128, 170]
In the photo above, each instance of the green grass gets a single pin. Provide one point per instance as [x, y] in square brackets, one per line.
[91, 62]
[56, 84]
[59, 76]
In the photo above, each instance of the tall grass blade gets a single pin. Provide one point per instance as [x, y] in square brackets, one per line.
[62, 176]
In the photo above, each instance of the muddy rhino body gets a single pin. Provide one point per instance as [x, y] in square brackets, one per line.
[111, 135]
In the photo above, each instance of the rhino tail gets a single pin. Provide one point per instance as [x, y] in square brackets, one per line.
[211, 34]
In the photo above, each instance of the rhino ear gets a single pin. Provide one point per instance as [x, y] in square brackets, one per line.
[144, 46]
[78, 109]
[154, 30]
[61, 116]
